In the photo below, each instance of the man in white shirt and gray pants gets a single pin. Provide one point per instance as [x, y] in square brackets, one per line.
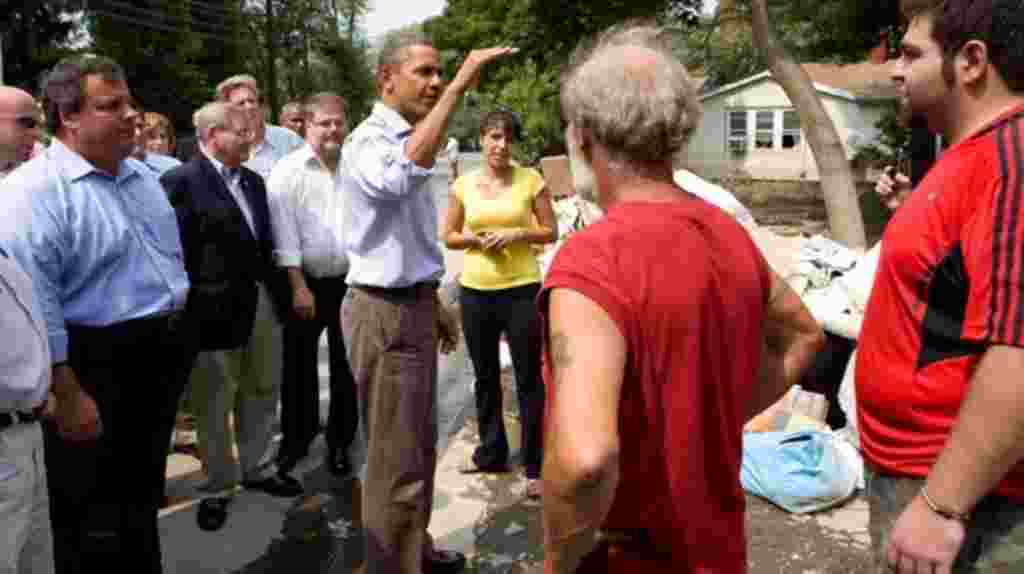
[306, 214]
[26, 546]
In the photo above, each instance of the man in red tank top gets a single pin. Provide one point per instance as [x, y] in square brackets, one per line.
[940, 363]
[666, 331]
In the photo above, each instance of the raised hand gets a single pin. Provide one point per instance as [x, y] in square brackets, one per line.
[469, 72]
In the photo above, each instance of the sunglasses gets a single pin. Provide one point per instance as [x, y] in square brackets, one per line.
[25, 122]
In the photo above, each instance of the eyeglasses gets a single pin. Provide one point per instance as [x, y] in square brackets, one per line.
[25, 122]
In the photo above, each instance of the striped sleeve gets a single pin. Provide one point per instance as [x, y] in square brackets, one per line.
[997, 284]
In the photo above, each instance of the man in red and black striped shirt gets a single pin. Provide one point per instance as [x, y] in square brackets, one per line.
[940, 370]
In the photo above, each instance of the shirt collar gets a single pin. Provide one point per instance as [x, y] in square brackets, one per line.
[305, 154]
[76, 167]
[391, 118]
[308, 158]
[268, 141]
[217, 165]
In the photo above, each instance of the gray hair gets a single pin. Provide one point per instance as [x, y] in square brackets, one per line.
[64, 86]
[631, 93]
[229, 85]
[293, 107]
[212, 115]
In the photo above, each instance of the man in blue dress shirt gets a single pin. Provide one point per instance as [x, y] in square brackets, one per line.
[97, 235]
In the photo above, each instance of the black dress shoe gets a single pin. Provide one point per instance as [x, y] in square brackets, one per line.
[444, 562]
[276, 485]
[287, 463]
[213, 513]
[337, 464]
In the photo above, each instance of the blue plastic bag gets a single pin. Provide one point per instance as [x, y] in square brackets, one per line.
[803, 471]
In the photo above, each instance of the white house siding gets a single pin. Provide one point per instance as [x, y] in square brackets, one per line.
[709, 155]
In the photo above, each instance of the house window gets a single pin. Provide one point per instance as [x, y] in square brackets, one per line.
[764, 131]
[737, 125]
[790, 130]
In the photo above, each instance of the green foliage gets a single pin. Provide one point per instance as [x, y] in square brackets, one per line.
[893, 144]
[163, 47]
[176, 51]
[531, 92]
[345, 69]
[35, 37]
[315, 46]
[546, 33]
[722, 60]
[840, 31]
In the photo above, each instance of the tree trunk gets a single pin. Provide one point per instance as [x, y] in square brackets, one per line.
[844, 217]
[270, 90]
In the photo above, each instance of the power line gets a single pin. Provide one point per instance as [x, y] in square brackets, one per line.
[168, 28]
[211, 27]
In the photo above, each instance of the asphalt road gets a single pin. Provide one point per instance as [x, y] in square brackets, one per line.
[310, 534]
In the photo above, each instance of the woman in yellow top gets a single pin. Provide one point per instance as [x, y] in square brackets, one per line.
[495, 214]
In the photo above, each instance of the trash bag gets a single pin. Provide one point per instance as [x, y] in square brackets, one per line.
[804, 471]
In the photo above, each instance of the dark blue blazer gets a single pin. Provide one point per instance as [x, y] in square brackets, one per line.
[223, 257]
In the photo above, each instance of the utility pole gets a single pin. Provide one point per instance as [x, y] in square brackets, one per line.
[271, 88]
[1, 58]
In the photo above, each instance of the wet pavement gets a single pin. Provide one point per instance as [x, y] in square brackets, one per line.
[486, 516]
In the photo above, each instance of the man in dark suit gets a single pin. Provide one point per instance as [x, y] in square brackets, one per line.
[236, 295]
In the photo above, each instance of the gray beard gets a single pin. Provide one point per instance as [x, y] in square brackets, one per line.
[583, 180]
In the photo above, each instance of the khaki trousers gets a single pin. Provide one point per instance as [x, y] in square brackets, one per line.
[994, 541]
[246, 382]
[392, 349]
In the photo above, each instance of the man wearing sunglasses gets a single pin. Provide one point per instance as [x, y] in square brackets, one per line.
[19, 128]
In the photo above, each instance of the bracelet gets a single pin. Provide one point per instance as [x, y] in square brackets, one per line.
[947, 513]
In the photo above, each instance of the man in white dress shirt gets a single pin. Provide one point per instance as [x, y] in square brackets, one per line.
[306, 215]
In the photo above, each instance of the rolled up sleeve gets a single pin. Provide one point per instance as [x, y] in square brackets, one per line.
[381, 169]
[282, 193]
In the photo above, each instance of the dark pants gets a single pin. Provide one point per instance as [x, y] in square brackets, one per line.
[300, 390]
[485, 316]
[994, 541]
[392, 347]
[105, 494]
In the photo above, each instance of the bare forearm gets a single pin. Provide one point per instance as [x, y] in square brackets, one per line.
[539, 235]
[575, 506]
[791, 340]
[779, 372]
[458, 240]
[296, 278]
[65, 384]
[988, 439]
[427, 137]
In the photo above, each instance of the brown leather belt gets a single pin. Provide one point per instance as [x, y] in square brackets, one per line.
[414, 291]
